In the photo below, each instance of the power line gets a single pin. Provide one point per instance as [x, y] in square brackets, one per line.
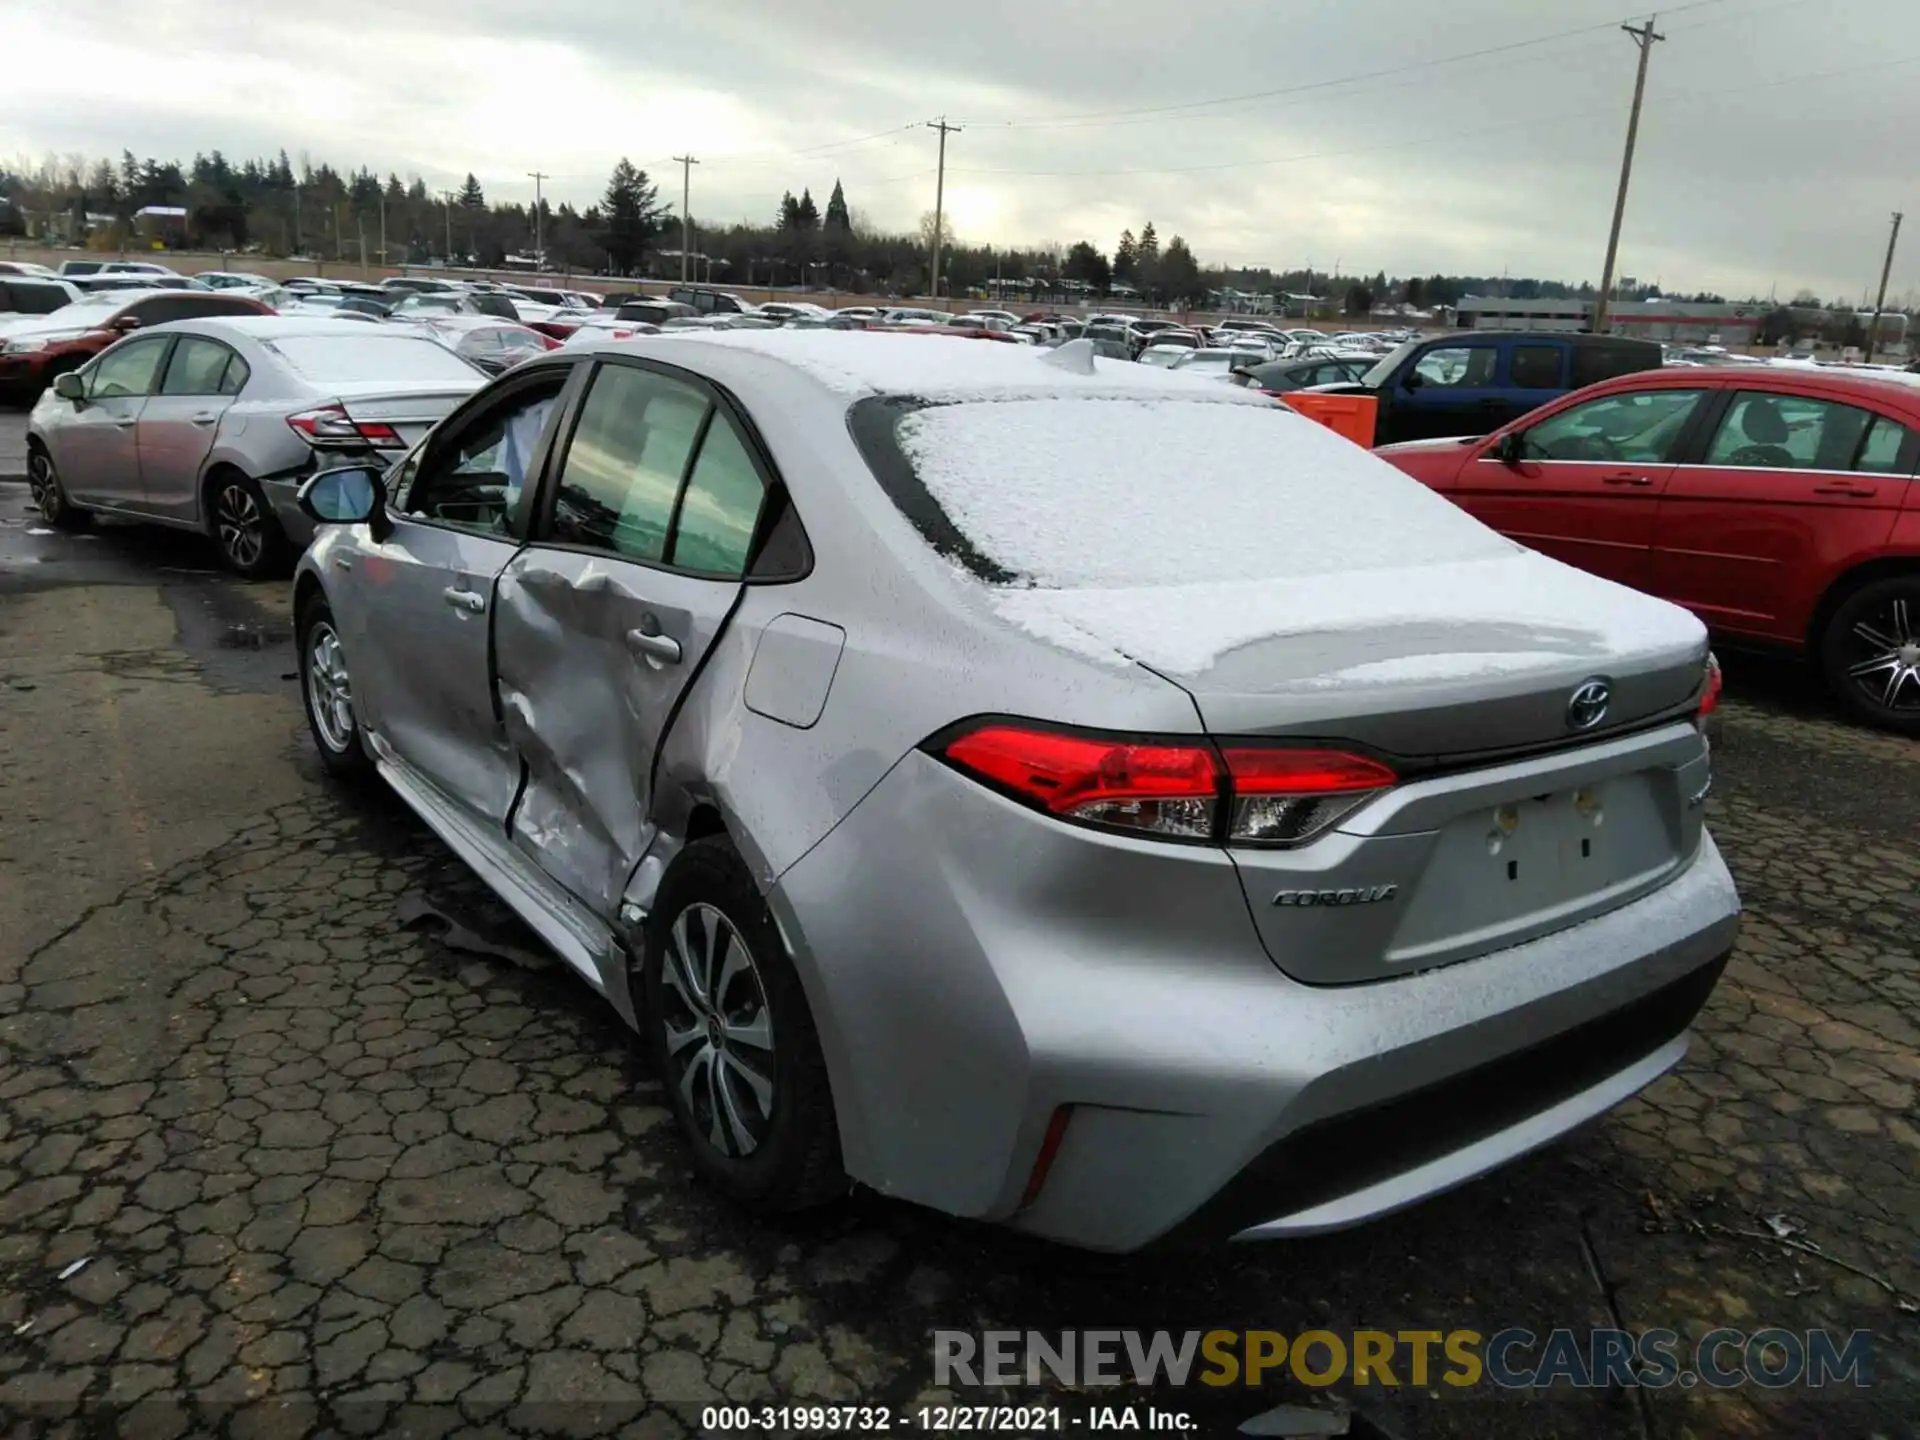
[1533, 122]
[1057, 121]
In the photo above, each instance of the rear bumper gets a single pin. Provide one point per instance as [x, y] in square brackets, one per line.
[974, 967]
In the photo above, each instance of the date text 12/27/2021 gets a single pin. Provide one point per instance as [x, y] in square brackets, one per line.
[937, 1420]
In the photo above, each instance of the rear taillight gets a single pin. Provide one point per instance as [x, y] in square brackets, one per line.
[1242, 794]
[329, 427]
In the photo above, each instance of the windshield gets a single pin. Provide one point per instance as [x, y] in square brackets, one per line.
[84, 313]
[1382, 372]
[332, 359]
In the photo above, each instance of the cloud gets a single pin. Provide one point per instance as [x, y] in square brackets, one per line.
[1764, 156]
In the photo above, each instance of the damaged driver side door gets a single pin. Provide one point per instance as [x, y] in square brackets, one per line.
[638, 547]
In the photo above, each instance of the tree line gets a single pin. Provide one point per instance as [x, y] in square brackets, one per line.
[273, 207]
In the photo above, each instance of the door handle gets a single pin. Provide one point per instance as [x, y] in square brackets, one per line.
[661, 648]
[464, 600]
[124, 424]
[203, 419]
[1625, 478]
[1863, 492]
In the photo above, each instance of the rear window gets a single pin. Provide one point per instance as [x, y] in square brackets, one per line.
[1594, 363]
[23, 297]
[1026, 492]
[331, 359]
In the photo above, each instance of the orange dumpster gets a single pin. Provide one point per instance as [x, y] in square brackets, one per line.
[1353, 416]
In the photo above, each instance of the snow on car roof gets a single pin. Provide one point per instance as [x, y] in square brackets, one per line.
[1172, 533]
[857, 363]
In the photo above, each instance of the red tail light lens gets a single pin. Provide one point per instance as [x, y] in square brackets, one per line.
[1179, 790]
[1163, 789]
[329, 427]
[1710, 696]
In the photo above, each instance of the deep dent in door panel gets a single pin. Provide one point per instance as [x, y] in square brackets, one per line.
[578, 782]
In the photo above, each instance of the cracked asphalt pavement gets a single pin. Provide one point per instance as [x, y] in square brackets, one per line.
[299, 1132]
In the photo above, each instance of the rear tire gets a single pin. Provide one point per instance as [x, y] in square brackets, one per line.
[728, 1027]
[245, 529]
[326, 691]
[1870, 654]
[50, 495]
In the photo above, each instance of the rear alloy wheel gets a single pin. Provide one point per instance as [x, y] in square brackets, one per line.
[50, 496]
[244, 528]
[733, 1040]
[1871, 654]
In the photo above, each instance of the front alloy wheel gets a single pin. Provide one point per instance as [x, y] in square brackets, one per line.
[1872, 654]
[719, 1036]
[329, 690]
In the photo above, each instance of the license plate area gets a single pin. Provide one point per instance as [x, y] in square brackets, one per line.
[1522, 866]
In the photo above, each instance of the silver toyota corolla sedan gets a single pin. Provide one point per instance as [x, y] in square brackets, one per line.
[1054, 791]
[211, 425]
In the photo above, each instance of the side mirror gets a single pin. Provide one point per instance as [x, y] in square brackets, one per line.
[348, 495]
[1510, 448]
[1412, 380]
[124, 323]
[69, 386]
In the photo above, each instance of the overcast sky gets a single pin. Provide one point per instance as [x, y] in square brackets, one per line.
[1776, 141]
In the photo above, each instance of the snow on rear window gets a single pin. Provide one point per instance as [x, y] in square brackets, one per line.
[336, 358]
[1099, 493]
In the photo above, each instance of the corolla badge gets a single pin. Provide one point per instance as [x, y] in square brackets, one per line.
[1587, 706]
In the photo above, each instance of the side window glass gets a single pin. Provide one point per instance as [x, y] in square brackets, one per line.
[1640, 427]
[624, 464]
[128, 370]
[198, 367]
[1458, 366]
[1536, 367]
[473, 479]
[1881, 454]
[1763, 431]
[720, 508]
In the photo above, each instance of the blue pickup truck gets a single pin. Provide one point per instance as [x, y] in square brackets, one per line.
[1472, 382]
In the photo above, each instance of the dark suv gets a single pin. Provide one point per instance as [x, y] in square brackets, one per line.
[708, 301]
[34, 351]
[1472, 382]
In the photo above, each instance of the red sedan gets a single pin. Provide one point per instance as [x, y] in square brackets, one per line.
[1778, 504]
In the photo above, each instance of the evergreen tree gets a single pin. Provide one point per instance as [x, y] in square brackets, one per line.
[632, 217]
[471, 194]
[838, 217]
[806, 213]
[1123, 258]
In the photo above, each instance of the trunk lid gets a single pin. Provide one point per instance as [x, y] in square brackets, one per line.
[410, 410]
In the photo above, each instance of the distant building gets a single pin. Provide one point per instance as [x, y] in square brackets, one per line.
[1677, 320]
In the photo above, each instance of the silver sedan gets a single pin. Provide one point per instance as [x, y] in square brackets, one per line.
[211, 425]
[1065, 793]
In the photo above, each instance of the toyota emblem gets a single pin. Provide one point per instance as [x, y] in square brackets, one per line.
[1587, 706]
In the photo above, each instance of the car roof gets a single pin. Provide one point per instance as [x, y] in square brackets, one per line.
[282, 327]
[853, 364]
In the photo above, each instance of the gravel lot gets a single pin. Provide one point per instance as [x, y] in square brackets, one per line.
[314, 1153]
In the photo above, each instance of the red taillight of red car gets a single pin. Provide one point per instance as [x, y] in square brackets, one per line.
[1242, 793]
[329, 427]
[1710, 693]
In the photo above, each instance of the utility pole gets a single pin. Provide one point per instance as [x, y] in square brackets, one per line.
[1880, 302]
[687, 162]
[447, 195]
[1644, 37]
[940, 197]
[383, 225]
[296, 217]
[539, 248]
[361, 225]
